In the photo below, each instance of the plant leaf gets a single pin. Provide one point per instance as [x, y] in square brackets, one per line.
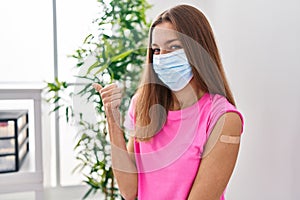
[122, 55]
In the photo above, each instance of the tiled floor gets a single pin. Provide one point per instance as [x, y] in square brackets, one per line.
[58, 193]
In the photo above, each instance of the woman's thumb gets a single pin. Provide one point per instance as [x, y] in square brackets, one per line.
[97, 86]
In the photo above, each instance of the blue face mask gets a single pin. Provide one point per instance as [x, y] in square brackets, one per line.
[173, 69]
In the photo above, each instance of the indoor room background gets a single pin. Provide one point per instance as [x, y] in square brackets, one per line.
[259, 45]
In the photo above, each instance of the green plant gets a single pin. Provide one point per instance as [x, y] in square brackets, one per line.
[118, 49]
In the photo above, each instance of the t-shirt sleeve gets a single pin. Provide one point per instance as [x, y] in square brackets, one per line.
[129, 121]
[220, 106]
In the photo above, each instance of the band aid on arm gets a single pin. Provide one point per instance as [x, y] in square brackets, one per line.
[230, 139]
[214, 137]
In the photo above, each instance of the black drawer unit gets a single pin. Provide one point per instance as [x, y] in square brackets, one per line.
[14, 139]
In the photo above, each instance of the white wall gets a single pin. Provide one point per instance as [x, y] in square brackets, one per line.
[259, 42]
[160, 6]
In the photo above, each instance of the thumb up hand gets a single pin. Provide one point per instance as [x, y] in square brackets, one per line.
[111, 96]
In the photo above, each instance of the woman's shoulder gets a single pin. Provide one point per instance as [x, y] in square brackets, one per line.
[220, 102]
[220, 106]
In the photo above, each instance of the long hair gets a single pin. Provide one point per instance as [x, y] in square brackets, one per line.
[197, 38]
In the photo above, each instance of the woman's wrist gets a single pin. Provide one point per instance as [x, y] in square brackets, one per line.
[114, 126]
[113, 116]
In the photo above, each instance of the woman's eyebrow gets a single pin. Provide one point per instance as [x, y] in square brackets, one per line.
[166, 43]
[172, 40]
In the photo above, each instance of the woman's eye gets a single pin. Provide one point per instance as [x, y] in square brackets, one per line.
[175, 47]
[156, 50]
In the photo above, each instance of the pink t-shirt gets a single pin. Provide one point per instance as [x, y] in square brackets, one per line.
[167, 164]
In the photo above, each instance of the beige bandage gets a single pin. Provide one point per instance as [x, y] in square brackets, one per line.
[230, 139]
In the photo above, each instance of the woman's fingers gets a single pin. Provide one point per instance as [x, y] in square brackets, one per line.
[111, 95]
[115, 103]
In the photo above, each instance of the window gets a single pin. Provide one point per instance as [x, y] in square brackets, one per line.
[26, 39]
[27, 56]
[74, 23]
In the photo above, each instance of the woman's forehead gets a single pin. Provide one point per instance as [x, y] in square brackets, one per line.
[162, 32]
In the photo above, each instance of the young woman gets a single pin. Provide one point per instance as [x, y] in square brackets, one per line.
[184, 126]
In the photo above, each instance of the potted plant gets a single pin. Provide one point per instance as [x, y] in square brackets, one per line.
[118, 50]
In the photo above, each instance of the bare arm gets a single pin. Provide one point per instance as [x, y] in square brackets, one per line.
[216, 168]
[123, 162]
